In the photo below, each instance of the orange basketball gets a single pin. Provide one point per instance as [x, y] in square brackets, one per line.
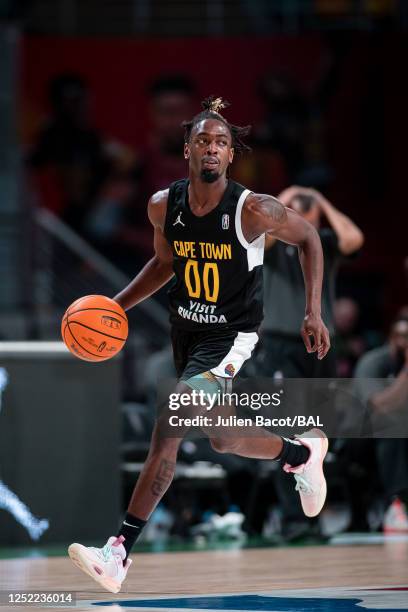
[94, 328]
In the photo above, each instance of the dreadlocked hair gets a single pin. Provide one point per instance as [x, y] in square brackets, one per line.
[211, 110]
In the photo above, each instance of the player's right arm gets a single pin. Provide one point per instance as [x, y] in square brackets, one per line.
[159, 270]
[284, 198]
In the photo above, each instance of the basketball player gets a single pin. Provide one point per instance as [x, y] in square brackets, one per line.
[210, 232]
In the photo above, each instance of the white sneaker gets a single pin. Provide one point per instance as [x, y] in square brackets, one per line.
[396, 518]
[310, 480]
[105, 565]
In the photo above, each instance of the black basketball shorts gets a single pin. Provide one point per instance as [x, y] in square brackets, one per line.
[222, 352]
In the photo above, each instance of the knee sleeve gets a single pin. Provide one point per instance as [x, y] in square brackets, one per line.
[206, 382]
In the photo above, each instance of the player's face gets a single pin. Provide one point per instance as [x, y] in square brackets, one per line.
[210, 150]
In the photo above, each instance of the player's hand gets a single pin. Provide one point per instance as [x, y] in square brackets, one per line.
[314, 326]
[287, 195]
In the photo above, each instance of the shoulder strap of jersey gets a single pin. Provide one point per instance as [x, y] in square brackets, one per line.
[176, 197]
[235, 192]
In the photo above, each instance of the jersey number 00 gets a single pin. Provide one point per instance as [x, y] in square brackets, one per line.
[194, 284]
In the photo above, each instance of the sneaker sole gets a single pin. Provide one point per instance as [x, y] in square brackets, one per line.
[325, 448]
[78, 556]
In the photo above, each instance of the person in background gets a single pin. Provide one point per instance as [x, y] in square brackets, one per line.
[171, 98]
[382, 383]
[281, 355]
[284, 285]
[117, 222]
[82, 178]
[278, 152]
[350, 345]
[68, 162]
[353, 338]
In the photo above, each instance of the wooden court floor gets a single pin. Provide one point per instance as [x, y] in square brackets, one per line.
[272, 571]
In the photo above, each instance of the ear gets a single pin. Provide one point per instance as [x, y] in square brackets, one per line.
[186, 150]
[231, 155]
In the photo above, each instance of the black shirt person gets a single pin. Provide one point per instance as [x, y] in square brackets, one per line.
[282, 354]
[381, 382]
[284, 300]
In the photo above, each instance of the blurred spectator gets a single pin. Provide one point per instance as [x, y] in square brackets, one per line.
[286, 113]
[283, 353]
[278, 140]
[351, 340]
[284, 285]
[101, 189]
[382, 383]
[350, 345]
[388, 364]
[68, 156]
[289, 144]
[83, 179]
[171, 101]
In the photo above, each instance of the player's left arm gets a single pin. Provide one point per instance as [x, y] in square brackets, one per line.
[264, 214]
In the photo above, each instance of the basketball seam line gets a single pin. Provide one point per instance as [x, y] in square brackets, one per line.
[96, 330]
[104, 309]
[65, 340]
[82, 347]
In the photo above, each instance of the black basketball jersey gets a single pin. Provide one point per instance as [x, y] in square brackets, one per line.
[218, 282]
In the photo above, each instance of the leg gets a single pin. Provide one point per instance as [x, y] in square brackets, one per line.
[243, 441]
[284, 356]
[109, 565]
[268, 447]
[158, 470]
[156, 475]
[303, 457]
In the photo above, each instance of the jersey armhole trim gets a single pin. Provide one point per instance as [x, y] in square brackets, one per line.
[238, 215]
[168, 207]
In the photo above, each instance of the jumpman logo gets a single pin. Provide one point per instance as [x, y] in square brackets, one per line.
[178, 220]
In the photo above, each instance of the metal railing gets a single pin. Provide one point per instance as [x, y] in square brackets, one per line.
[66, 266]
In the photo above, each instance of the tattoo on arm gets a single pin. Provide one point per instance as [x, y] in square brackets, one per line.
[276, 211]
[271, 208]
[163, 477]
